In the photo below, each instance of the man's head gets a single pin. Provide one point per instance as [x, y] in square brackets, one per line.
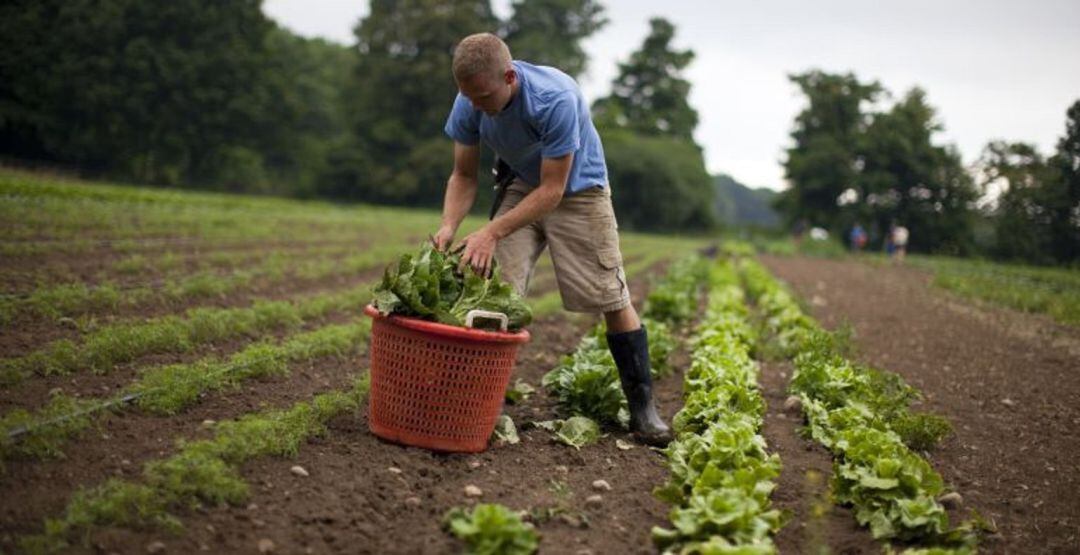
[483, 72]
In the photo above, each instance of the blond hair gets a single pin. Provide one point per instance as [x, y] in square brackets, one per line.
[480, 53]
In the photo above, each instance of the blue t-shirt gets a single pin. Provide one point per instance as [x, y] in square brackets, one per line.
[547, 118]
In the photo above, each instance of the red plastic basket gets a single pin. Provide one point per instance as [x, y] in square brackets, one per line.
[437, 386]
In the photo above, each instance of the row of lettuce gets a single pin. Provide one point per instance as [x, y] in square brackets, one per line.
[863, 416]
[721, 472]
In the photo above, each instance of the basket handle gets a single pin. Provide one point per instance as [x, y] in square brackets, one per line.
[504, 321]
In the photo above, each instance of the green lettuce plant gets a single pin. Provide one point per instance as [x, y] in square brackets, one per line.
[491, 529]
[430, 285]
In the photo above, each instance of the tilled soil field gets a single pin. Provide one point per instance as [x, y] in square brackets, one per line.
[1008, 382]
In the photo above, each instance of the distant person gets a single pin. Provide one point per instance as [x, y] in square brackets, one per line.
[857, 238]
[888, 246]
[537, 121]
[799, 230]
[899, 241]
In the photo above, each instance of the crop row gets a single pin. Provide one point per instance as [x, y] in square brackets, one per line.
[861, 414]
[169, 263]
[169, 389]
[721, 474]
[101, 350]
[202, 473]
[72, 300]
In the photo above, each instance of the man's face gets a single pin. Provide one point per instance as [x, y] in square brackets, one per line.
[488, 93]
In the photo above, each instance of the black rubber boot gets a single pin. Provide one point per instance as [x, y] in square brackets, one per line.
[631, 353]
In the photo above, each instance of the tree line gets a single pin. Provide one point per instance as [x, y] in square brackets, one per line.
[216, 95]
[851, 163]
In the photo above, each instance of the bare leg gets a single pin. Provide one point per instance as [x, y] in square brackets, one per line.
[623, 320]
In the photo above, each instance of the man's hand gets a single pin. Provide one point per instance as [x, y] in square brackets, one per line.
[479, 251]
[442, 238]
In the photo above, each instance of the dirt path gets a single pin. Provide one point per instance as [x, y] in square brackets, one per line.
[1009, 382]
[803, 485]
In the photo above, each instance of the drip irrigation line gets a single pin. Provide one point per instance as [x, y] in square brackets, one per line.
[124, 400]
[131, 397]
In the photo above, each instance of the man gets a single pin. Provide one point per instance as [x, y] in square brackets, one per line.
[537, 122]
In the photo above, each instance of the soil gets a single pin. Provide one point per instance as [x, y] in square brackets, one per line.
[1009, 382]
[349, 469]
[803, 485]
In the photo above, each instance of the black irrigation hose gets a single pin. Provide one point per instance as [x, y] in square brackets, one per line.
[23, 430]
[130, 397]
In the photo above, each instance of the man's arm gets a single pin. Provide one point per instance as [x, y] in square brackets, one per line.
[553, 175]
[460, 192]
[480, 245]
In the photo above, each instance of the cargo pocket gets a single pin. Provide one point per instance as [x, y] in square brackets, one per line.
[611, 280]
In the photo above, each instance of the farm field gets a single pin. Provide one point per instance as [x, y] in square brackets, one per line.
[169, 359]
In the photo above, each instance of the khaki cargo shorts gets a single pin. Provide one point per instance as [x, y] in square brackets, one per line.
[581, 234]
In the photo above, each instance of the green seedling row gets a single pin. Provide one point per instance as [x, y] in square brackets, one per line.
[1051, 291]
[169, 389]
[103, 349]
[721, 473]
[203, 473]
[173, 264]
[71, 300]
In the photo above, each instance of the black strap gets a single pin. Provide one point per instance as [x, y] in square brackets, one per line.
[504, 176]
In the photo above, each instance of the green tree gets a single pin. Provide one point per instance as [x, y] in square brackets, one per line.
[549, 32]
[162, 92]
[822, 164]
[400, 94]
[903, 177]
[1063, 200]
[310, 77]
[1020, 222]
[658, 183]
[1037, 214]
[657, 171]
[650, 96]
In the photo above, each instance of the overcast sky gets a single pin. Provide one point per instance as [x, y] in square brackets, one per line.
[993, 69]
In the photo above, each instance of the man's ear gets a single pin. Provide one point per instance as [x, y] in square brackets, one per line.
[510, 76]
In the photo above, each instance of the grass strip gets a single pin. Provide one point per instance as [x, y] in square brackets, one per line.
[169, 389]
[1051, 291]
[721, 474]
[76, 299]
[101, 350]
[203, 473]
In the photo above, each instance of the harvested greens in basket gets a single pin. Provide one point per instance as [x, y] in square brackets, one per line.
[429, 286]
